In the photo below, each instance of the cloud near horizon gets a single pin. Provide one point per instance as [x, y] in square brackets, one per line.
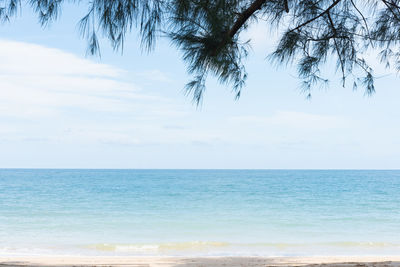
[89, 114]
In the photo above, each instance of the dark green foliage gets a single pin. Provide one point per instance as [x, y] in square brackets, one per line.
[315, 33]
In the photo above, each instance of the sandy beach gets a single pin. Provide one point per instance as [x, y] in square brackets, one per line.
[367, 261]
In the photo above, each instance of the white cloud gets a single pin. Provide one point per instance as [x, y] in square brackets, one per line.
[50, 95]
[19, 58]
[37, 81]
[289, 129]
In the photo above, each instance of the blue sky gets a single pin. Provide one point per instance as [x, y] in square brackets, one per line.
[61, 109]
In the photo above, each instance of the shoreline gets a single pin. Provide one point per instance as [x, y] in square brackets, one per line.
[166, 261]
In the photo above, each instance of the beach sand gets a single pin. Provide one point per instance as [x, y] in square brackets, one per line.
[363, 261]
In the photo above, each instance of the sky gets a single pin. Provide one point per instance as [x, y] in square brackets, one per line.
[62, 109]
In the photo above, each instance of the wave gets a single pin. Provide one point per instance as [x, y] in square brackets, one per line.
[195, 245]
[363, 244]
[204, 245]
[207, 248]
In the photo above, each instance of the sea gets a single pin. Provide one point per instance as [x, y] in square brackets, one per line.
[83, 212]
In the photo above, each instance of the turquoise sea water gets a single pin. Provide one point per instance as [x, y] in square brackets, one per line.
[199, 212]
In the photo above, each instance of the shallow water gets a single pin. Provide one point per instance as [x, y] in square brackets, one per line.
[199, 212]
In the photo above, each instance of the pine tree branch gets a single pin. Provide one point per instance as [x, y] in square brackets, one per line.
[337, 46]
[286, 6]
[243, 17]
[365, 21]
[390, 8]
[314, 18]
